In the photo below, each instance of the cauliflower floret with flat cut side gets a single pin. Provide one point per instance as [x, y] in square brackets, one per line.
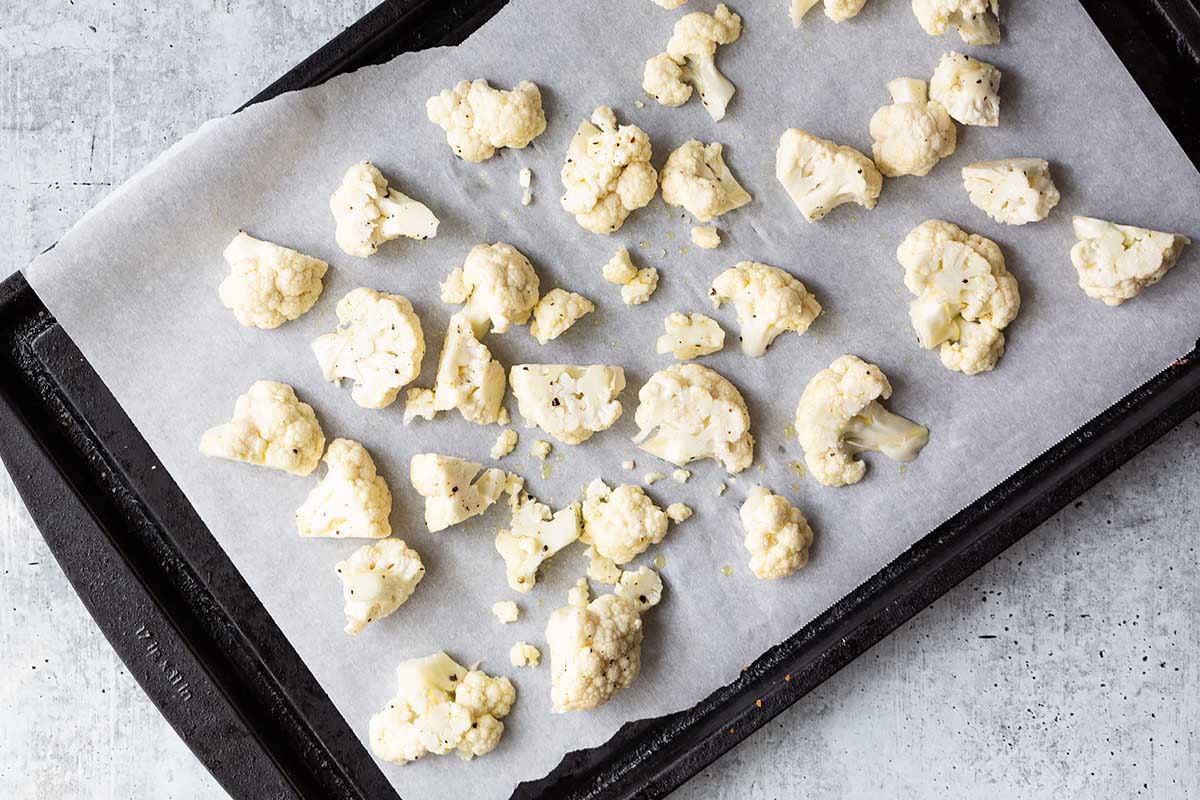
[965, 296]
[836, 10]
[376, 580]
[451, 490]
[506, 442]
[820, 175]
[914, 133]
[687, 412]
[620, 523]
[607, 174]
[368, 213]
[641, 588]
[777, 534]
[1115, 262]
[968, 88]
[595, 651]
[697, 178]
[534, 534]
[769, 302]
[378, 345]
[690, 336]
[566, 401]
[352, 501]
[556, 312]
[269, 284]
[478, 119]
[839, 415]
[523, 654]
[498, 286]
[270, 428]
[468, 378]
[690, 62]
[977, 21]
[706, 237]
[1012, 191]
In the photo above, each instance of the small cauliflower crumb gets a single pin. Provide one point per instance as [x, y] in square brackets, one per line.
[706, 237]
[523, 654]
[506, 611]
[653, 477]
[579, 595]
[721, 489]
[628, 464]
[681, 475]
[678, 512]
[541, 449]
[505, 443]
[525, 178]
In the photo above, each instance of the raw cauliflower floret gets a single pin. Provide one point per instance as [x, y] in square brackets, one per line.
[620, 523]
[478, 119]
[506, 611]
[498, 286]
[534, 535]
[441, 707]
[696, 177]
[777, 534]
[977, 21]
[679, 512]
[566, 401]
[368, 214]
[378, 344]
[270, 428]
[688, 412]
[706, 237]
[637, 285]
[914, 133]
[376, 580]
[965, 296]
[1012, 191]
[523, 654]
[468, 378]
[690, 336]
[820, 175]
[836, 10]
[690, 62]
[450, 488]
[506, 442]
[607, 174]
[769, 302]
[839, 415]
[557, 311]
[595, 651]
[1115, 262]
[642, 588]
[968, 88]
[269, 284]
[352, 501]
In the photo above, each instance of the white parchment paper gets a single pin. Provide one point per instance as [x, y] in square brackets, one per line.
[135, 285]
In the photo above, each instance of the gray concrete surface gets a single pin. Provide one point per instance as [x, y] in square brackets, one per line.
[1066, 667]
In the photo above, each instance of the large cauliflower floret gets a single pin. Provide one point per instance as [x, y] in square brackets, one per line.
[968, 88]
[450, 488]
[595, 651]
[620, 523]
[556, 312]
[777, 534]
[914, 133]
[607, 174]
[468, 378]
[378, 344]
[696, 177]
[368, 214]
[441, 707]
[689, 336]
[836, 10]
[269, 284]
[821, 175]
[534, 535]
[376, 580]
[1012, 191]
[270, 428]
[965, 296]
[688, 412]
[690, 62]
[498, 285]
[478, 119]
[352, 501]
[977, 21]
[566, 401]
[769, 302]
[1115, 262]
[840, 415]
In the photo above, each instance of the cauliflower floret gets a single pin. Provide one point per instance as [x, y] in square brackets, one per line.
[368, 214]
[769, 302]
[557, 311]
[595, 652]
[620, 269]
[270, 428]
[690, 336]
[498, 285]
[620, 523]
[690, 61]
[777, 534]
[965, 296]
[637, 285]
[534, 535]
[478, 119]
[977, 21]
[352, 501]
[452, 493]
[568, 402]
[679, 512]
[378, 344]
[696, 177]
[1115, 262]
[836, 10]
[1012, 191]
[523, 654]
[642, 589]
[376, 580]
[468, 378]
[601, 569]
[706, 237]
[688, 412]
[269, 284]
[506, 611]
[969, 89]
[506, 442]
[914, 133]
[820, 175]
[541, 449]
[839, 415]
[607, 174]
[579, 595]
